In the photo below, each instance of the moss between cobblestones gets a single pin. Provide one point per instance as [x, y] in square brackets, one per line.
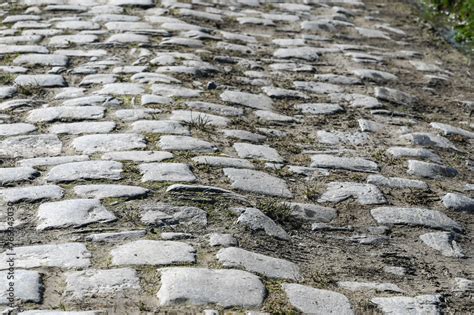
[6, 78]
[128, 101]
[129, 216]
[42, 127]
[6, 60]
[276, 301]
[150, 279]
[312, 191]
[31, 90]
[151, 138]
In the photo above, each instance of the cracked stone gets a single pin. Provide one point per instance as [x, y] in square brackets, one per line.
[31, 194]
[41, 80]
[122, 89]
[161, 214]
[399, 152]
[421, 304]
[350, 164]
[41, 60]
[116, 236]
[451, 130]
[16, 174]
[216, 108]
[222, 161]
[82, 127]
[374, 75]
[72, 213]
[160, 126]
[317, 87]
[256, 101]
[15, 129]
[430, 170]
[414, 216]
[74, 39]
[394, 96]
[444, 243]
[396, 182]
[243, 135]
[319, 108]
[127, 38]
[305, 53]
[426, 139]
[85, 170]
[272, 117]
[316, 301]
[135, 114]
[257, 182]
[371, 33]
[65, 113]
[211, 191]
[364, 194]
[338, 137]
[109, 191]
[170, 90]
[108, 142]
[54, 160]
[61, 255]
[30, 146]
[280, 93]
[184, 143]
[95, 283]
[259, 152]
[256, 220]
[98, 79]
[138, 156]
[368, 286]
[169, 172]
[265, 265]
[458, 202]
[463, 285]
[149, 252]
[197, 286]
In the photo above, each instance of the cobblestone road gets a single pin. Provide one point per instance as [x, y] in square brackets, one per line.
[242, 155]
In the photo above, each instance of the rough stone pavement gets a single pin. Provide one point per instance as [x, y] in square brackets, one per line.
[250, 156]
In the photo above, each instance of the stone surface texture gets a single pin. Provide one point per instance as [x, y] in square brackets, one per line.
[233, 156]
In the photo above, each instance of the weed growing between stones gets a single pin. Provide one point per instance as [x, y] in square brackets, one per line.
[6, 78]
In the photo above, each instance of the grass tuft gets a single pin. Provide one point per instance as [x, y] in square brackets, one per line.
[200, 122]
[279, 212]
